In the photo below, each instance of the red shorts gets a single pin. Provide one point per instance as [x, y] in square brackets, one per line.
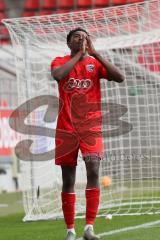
[68, 144]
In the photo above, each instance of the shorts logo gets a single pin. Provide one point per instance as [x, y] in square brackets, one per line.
[72, 83]
[90, 67]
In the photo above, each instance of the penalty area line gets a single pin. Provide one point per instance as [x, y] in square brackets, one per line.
[3, 205]
[149, 224]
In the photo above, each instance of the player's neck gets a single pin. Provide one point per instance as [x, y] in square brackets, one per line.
[83, 57]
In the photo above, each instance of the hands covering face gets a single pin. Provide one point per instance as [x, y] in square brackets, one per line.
[90, 48]
[87, 46]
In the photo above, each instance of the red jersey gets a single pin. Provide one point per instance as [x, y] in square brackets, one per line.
[80, 95]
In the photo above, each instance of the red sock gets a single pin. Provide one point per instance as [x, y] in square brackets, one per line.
[92, 203]
[68, 207]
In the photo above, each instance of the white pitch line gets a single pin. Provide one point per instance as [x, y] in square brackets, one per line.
[149, 224]
[3, 205]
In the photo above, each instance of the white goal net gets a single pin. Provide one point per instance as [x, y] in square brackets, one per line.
[129, 36]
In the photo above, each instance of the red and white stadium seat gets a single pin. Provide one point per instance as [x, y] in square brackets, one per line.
[29, 13]
[31, 5]
[101, 3]
[30, 8]
[118, 2]
[65, 4]
[85, 4]
[45, 12]
[49, 4]
[2, 6]
[2, 16]
[135, 1]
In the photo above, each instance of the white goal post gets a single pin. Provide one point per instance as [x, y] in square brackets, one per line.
[129, 36]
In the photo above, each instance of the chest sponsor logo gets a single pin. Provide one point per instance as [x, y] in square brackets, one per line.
[79, 84]
[90, 67]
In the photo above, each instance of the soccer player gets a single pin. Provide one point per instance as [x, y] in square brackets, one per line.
[79, 123]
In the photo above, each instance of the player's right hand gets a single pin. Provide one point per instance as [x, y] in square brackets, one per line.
[83, 46]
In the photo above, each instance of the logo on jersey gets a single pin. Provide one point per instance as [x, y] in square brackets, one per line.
[79, 84]
[90, 67]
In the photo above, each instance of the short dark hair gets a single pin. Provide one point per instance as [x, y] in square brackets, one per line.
[73, 31]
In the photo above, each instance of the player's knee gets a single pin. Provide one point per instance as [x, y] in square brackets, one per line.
[92, 167]
[93, 174]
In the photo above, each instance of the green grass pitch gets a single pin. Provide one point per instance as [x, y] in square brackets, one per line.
[12, 227]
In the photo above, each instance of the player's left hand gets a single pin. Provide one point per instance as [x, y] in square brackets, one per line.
[90, 48]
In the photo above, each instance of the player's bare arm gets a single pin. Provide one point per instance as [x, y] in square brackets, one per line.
[61, 72]
[113, 73]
